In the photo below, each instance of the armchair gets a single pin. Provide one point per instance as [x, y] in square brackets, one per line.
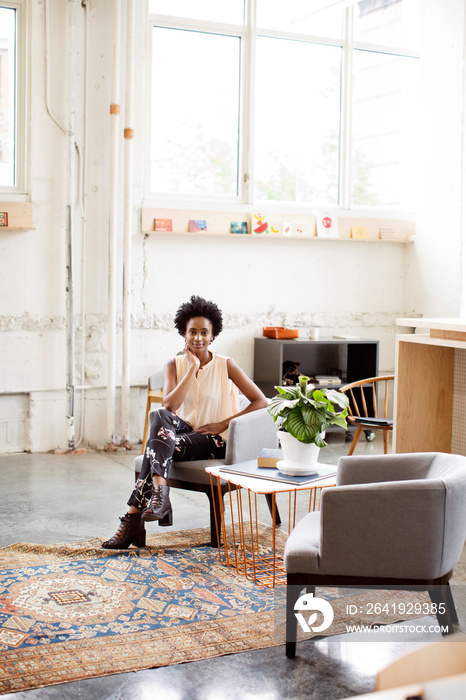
[392, 522]
[247, 436]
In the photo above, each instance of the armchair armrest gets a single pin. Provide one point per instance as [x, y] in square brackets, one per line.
[396, 467]
[248, 435]
[384, 530]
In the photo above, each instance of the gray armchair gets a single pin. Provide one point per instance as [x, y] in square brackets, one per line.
[247, 436]
[393, 521]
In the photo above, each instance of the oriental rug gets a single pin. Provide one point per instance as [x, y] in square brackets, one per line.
[75, 611]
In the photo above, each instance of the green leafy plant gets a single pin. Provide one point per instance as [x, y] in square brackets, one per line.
[306, 412]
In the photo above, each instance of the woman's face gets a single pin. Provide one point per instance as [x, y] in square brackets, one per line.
[199, 334]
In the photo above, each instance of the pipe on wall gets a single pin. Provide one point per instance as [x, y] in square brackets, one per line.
[113, 224]
[127, 219]
[71, 352]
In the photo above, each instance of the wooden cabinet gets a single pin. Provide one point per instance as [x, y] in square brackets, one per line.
[430, 386]
[350, 359]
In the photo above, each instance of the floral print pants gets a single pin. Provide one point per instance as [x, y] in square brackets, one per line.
[171, 438]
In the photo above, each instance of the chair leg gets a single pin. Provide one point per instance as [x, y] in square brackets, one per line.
[386, 440]
[292, 594]
[268, 497]
[356, 437]
[446, 613]
[215, 511]
[451, 604]
[146, 425]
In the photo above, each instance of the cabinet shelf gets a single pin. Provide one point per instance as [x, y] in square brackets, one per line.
[350, 359]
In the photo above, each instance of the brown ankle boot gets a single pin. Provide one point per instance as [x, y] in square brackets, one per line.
[131, 531]
[159, 507]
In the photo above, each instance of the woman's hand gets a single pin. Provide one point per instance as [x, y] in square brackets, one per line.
[213, 428]
[192, 358]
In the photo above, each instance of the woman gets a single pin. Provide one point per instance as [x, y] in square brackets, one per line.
[200, 397]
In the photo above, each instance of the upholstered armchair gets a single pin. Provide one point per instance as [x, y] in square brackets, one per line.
[392, 521]
[247, 436]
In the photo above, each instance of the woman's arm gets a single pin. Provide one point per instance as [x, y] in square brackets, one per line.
[174, 394]
[247, 387]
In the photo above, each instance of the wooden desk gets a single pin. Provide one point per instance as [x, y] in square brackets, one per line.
[430, 387]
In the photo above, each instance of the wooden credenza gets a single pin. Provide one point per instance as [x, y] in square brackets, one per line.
[430, 386]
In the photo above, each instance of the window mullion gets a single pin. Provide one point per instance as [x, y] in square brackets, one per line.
[346, 111]
[249, 73]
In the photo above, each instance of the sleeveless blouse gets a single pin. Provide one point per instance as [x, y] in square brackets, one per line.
[211, 397]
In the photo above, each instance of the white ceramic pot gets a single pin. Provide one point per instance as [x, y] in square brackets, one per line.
[297, 455]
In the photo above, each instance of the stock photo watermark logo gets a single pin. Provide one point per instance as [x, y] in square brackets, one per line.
[307, 604]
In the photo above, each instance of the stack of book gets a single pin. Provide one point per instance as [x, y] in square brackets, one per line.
[328, 379]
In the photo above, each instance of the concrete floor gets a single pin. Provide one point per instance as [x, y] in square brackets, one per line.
[48, 498]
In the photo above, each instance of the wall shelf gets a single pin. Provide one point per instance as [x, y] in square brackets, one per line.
[19, 216]
[215, 234]
[219, 222]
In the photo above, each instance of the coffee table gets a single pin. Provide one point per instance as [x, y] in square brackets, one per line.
[244, 540]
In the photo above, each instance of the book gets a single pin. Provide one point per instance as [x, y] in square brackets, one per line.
[239, 227]
[327, 224]
[328, 379]
[269, 457]
[3, 218]
[358, 232]
[251, 469]
[163, 225]
[260, 224]
[197, 225]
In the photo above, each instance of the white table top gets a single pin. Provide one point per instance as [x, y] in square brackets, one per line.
[440, 324]
[258, 485]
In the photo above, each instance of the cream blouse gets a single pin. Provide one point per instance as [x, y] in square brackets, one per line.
[211, 397]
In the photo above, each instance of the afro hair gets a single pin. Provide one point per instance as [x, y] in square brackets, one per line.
[197, 306]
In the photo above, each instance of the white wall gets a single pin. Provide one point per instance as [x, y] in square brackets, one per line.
[347, 287]
[434, 263]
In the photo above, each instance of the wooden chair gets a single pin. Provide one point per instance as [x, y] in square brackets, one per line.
[154, 395]
[437, 660]
[362, 410]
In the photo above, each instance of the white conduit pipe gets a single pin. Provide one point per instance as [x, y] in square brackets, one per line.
[113, 223]
[71, 378]
[83, 206]
[128, 211]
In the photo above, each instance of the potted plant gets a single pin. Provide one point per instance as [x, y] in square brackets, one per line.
[302, 414]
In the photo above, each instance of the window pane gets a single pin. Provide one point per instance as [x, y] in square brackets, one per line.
[300, 16]
[195, 112]
[389, 22]
[384, 125]
[231, 12]
[7, 96]
[297, 121]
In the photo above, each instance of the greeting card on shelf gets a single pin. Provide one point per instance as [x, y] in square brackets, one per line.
[197, 225]
[260, 223]
[239, 227]
[327, 224]
[163, 225]
[358, 232]
[386, 234]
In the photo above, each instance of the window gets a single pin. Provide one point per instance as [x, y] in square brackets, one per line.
[7, 96]
[300, 103]
[195, 113]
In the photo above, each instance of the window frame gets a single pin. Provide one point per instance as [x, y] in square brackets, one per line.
[19, 189]
[247, 34]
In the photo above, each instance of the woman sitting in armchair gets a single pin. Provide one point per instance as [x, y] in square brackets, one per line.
[200, 397]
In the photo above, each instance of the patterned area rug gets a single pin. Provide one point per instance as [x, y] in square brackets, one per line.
[75, 611]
